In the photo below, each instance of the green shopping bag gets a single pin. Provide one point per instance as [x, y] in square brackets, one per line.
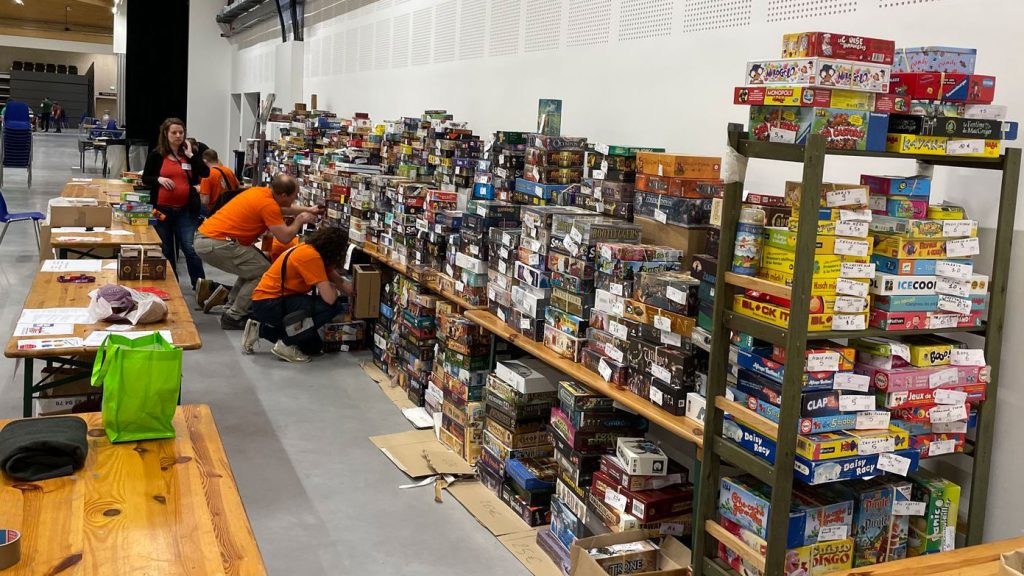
[141, 380]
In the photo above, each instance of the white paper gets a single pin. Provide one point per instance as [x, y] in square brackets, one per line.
[830, 533]
[847, 215]
[47, 329]
[960, 306]
[71, 229]
[954, 270]
[852, 228]
[849, 322]
[75, 238]
[908, 508]
[781, 135]
[613, 352]
[893, 463]
[123, 233]
[618, 330]
[823, 362]
[900, 350]
[671, 338]
[856, 403]
[605, 370]
[958, 147]
[873, 420]
[97, 336]
[941, 414]
[661, 373]
[55, 315]
[957, 228]
[663, 323]
[851, 305]
[949, 427]
[72, 265]
[656, 396]
[877, 445]
[615, 288]
[857, 270]
[420, 418]
[943, 377]
[615, 500]
[660, 216]
[49, 343]
[676, 295]
[110, 266]
[848, 247]
[940, 321]
[948, 539]
[963, 247]
[852, 382]
[953, 287]
[846, 197]
[944, 397]
[849, 287]
[967, 357]
[940, 447]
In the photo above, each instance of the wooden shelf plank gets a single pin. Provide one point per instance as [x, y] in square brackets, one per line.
[748, 417]
[732, 541]
[795, 153]
[431, 285]
[686, 428]
[755, 283]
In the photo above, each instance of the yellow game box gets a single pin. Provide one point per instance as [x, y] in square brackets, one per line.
[897, 247]
[785, 239]
[779, 316]
[831, 445]
[825, 265]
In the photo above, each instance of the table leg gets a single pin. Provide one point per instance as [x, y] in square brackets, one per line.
[27, 399]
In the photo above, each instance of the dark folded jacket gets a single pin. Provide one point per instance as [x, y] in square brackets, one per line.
[42, 448]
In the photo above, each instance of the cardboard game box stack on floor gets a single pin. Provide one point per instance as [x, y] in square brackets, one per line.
[462, 364]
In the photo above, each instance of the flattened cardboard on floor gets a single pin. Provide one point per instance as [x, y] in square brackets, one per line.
[395, 393]
[523, 545]
[406, 450]
[485, 506]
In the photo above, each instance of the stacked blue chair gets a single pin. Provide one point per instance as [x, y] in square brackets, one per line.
[16, 140]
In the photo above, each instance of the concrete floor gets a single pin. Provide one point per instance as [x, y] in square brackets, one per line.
[321, 498]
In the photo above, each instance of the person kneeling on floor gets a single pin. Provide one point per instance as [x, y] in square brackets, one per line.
[226, 240]
[285, 313]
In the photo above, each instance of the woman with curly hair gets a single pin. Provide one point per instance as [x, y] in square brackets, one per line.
[284, 310]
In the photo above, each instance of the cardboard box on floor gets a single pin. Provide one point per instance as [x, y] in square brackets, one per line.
[673, 557]
[367, 288]
[64, 398]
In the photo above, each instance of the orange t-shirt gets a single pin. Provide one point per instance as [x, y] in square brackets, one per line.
[245, 218]
[305, 270]
[276, 248]
[215, 183]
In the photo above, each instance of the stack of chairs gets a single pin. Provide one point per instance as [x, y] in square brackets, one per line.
[16, 140]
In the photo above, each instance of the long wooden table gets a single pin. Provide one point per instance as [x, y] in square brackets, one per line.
[163, 507]
[103, 190]
[46, 292]
[145, 235]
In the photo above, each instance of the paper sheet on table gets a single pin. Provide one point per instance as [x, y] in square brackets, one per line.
[76, 238]
[70, 229]
[72, 265]
[55, 315]
[110, 266]
[81, 179]
[120, 232]
[96, 337]
[49, 343]
[44, 329]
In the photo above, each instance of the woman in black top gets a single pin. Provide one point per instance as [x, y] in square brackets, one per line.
[172, 172]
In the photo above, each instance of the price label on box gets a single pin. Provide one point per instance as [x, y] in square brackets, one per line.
[846, 197]
[618, 330]
[781, 135]
[576, 235]
[823, 362]
[949, 427]
[501, 315]
[848, 247]
[961, 147]
[676, 295]
[943, 377]
[847, 287]
[852, 382]
[661, 373]
[853, 228]
[656, 396]
[533, 259]
[663, 323]
[960, 306]
[908, 508]
[900, 350]
[525, 324]
[659, 215]
[848, 215]
[460, 286]
[481, 211]
[616, 500]
[967, 357]
[945, 397]
[856, 403]
[618, 308]
[831, 533]
[956, 270]
[879, 445]
[671, 338]
[957, 228]
[849, 322]
[893, 463]
[613, 352]
[953, 287]
[963, 247]
[616, 288]
[941, 414]
[943, 321]
[940, 447]
[606, 253]
[605, 370]
[571, 245]
[862, 270]
[851, 305]
[873, 420]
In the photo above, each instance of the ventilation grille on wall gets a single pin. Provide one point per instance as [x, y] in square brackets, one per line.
[444, 32]
[472, 28]
[326, 53]
[352, 51]
[785, 10]
[366, 47]
[641, 19]
[701, 15]
[506, 18]
[382, 50]
[422, 22]
[400, 41]
[338, 60]
[543, 25]
[589, 22]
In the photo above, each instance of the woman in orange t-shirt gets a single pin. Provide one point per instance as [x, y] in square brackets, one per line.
[285, 288]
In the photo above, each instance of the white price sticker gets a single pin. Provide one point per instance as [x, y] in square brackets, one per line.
[533, 259]
[851, 228]
[846, 197]
[879, 445]
[576, 235]
[601, 149]
[940, 414]
[380, 342]
[908, 508]
[661, 373]
[956, 270]
[943, 377]
[953, 287]
[847, 215]
[663, 323]
[781, 135]
[823, 362]
[656, 396]
[849, 322]
[618, 308]
[571, 246]
[863, 270]
[671, 338]
[503, 268]
[893, 463]
[673, 529]
[660, 216]
[850, 305]
[605, 370]
[449, 270]
[482, 211]
[856, 403]
[949, 427]
[618, 330]
[967, 357]
[940, 447]
[851, 382]
[676, 295]
[961, 147]
[606, 253]
[616, 288]
[475, 250]
[503, 253]
[830, 533]
[873, 420]
[525, 324]
[616, 500]
[613, 352]
[460, 286]
[960, 306]
[945, 397]
[900, 350]
[948, 536]
[848, 247]
[847, 287]
[501, 315]
[942, 321]
[957, 228]
[963, 247]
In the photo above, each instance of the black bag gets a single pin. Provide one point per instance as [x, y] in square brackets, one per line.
[225, 196]
[298, 324]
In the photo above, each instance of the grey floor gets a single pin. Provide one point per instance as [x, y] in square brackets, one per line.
[321, 498]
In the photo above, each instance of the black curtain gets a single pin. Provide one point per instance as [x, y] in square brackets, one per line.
[156, 66]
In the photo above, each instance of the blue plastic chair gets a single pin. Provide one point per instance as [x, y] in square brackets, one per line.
[7, 217]
[16, 116]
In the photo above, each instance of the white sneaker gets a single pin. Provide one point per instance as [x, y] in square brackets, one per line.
[289, 353]
[250, 336]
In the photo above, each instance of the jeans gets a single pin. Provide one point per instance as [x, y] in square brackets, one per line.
[247, 262]
[177, 232]
[270, 313]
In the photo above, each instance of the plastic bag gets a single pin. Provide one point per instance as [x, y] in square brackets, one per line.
[114, 303]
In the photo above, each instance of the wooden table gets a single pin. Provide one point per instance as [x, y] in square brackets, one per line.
[105, 191]
[981, 560]
[163, 507]
[102, 241]
[46, 292]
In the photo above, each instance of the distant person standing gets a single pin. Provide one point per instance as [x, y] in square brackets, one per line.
[45, 107]
[57, 114]
[221, 178]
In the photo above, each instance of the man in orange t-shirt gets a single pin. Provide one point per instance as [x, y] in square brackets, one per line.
[225, 240]
[221, 178]
[285, 288]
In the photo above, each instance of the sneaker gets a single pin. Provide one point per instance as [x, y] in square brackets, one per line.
[289, 353]
[204, 288]
[229, 323]
[220, 309]
[250, 336]
[219, 296]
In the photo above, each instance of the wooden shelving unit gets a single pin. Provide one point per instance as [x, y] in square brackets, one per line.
[794, 339]
[430, 283]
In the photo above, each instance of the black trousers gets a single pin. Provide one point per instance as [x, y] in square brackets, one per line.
[270, 314]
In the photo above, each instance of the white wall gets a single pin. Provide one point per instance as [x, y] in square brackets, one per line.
[648, 72]
[209, 78]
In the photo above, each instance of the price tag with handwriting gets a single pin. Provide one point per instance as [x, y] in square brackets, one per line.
[605, 370]
[957, 228]
[873, 420]
[656, 396]
[671, 338]
[893, 463]
[836, 532]
[847, 215]
[967, 357]
[963, 247]
[847, 287]
[879, 445]
[823, 362]
[940, 447]
[949, 427]
[957, 270]
[616, 500]
[942, 321]
[676, 295]
[663, 323]
[525, 324]
[618, 330]
[660, 216]
[851, 382]
[781, 135]
[953, 287]
[613, 352]
[944, 397]
[846, 197]
[616, 288]
[900, 350]
[856, 403]
[661, 373]
[850, 305]
[852, 228]
[940, 414]
[943, 377]
[848, 247]
[960, 306]
[849, 322]
[618, 307]
[864, 270]
[908, 508]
